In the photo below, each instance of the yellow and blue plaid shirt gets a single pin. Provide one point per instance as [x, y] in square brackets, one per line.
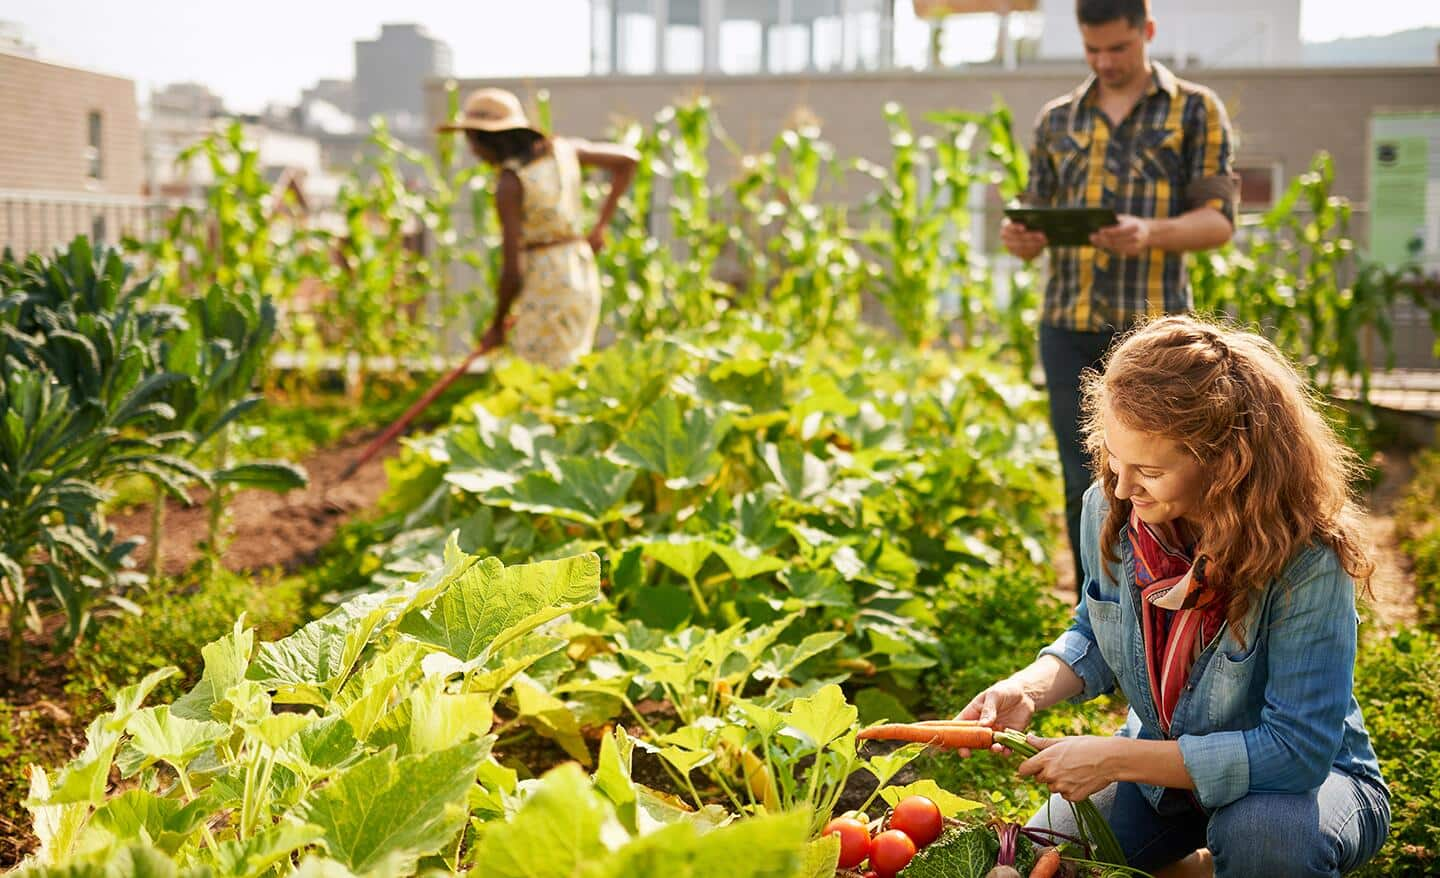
[1173, 153]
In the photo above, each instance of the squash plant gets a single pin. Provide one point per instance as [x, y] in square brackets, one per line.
[362, 744]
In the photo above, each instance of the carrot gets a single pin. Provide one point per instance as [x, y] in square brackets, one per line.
[952, 737]
[1047, 865]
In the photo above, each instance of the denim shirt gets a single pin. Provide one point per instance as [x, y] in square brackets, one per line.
[1271, 715]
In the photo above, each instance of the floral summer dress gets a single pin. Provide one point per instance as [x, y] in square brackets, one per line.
[558, 309]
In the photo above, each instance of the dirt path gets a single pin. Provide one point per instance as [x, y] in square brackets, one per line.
[1393, 583]
[266, 529]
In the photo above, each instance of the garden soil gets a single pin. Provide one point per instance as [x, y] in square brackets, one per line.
[267, 529]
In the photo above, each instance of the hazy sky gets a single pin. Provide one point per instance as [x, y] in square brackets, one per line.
[272, 49]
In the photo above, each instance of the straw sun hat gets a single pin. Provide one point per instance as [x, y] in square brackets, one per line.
[490, 109]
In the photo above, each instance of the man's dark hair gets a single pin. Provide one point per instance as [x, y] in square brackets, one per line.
[1095, 12]
[518, 143]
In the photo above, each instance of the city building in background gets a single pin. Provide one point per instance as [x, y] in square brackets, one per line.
[647, 37]
[1194, 33]
[71, 153]
[390, 74]
[740, 36]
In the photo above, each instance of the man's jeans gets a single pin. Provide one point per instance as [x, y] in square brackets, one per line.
[1065, 353]
[1328, 831]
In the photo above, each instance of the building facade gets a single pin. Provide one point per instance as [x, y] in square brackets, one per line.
[1205, 33]
[71, 154]
[639, 37]
[390, 73]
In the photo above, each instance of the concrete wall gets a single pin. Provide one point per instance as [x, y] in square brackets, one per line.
[1283, 116]
[44, 134]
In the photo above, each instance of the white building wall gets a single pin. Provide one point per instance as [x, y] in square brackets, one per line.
[1211, 33]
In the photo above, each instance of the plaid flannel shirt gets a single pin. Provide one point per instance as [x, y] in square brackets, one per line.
[1173, 153]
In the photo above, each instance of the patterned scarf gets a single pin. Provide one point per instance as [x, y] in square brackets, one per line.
[1178, 615]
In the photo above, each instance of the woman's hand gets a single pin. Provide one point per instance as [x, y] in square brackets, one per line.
[494, 337]
[1005, 705]
[1075, 767]
[596, 238]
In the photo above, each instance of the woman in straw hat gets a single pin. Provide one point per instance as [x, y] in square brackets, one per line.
[549, 295]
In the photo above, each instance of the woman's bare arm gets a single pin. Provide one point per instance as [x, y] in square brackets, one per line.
[619, 161]
[509, 205]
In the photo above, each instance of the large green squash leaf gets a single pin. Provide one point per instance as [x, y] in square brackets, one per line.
[384, 806]
[554, 834]
[491, 605]
[586, 489]
[681, 448]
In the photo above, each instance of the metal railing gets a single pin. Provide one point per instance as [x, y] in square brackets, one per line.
[35, 220]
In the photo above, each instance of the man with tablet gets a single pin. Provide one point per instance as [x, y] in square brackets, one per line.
[1130, 171]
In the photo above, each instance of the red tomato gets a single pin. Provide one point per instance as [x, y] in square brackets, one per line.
[919, 818]
[890, 852]
[872, 875]
[854, 840]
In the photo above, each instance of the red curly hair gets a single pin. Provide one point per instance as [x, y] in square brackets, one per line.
[1279, 475]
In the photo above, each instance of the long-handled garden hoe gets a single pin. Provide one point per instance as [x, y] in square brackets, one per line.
[410, 414]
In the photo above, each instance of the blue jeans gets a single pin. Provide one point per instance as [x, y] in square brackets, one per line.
[1065, 353]
[1331, 830]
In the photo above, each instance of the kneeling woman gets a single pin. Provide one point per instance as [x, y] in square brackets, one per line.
[1221, 550]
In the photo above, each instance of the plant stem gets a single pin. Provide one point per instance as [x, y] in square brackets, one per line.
[718, 776]
[157, 530]
[630, 705]
[699, 598]
[699, 803]
[190, 797]
[17, 629]
[217, 495]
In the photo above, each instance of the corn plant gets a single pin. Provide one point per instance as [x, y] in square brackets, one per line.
[1296, 274]
[239, 235]
[698, 232]
[380, 280]
[804, 268]
[634, 266]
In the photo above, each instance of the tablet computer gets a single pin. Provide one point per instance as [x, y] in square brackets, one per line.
[1064, 226]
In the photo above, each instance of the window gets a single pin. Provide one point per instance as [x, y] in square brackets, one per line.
[1259, 185]
[92, 152]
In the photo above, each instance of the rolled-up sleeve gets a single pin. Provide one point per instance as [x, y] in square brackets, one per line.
[1077, 648]
[1210, 158]
[1310, 664]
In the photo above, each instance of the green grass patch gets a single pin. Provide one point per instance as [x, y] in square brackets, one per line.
[1397, 682]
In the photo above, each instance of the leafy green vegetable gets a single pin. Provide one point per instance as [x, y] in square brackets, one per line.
[407, 806]
[958, 853]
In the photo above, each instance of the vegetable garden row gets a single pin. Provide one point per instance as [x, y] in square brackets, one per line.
[629, 619]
